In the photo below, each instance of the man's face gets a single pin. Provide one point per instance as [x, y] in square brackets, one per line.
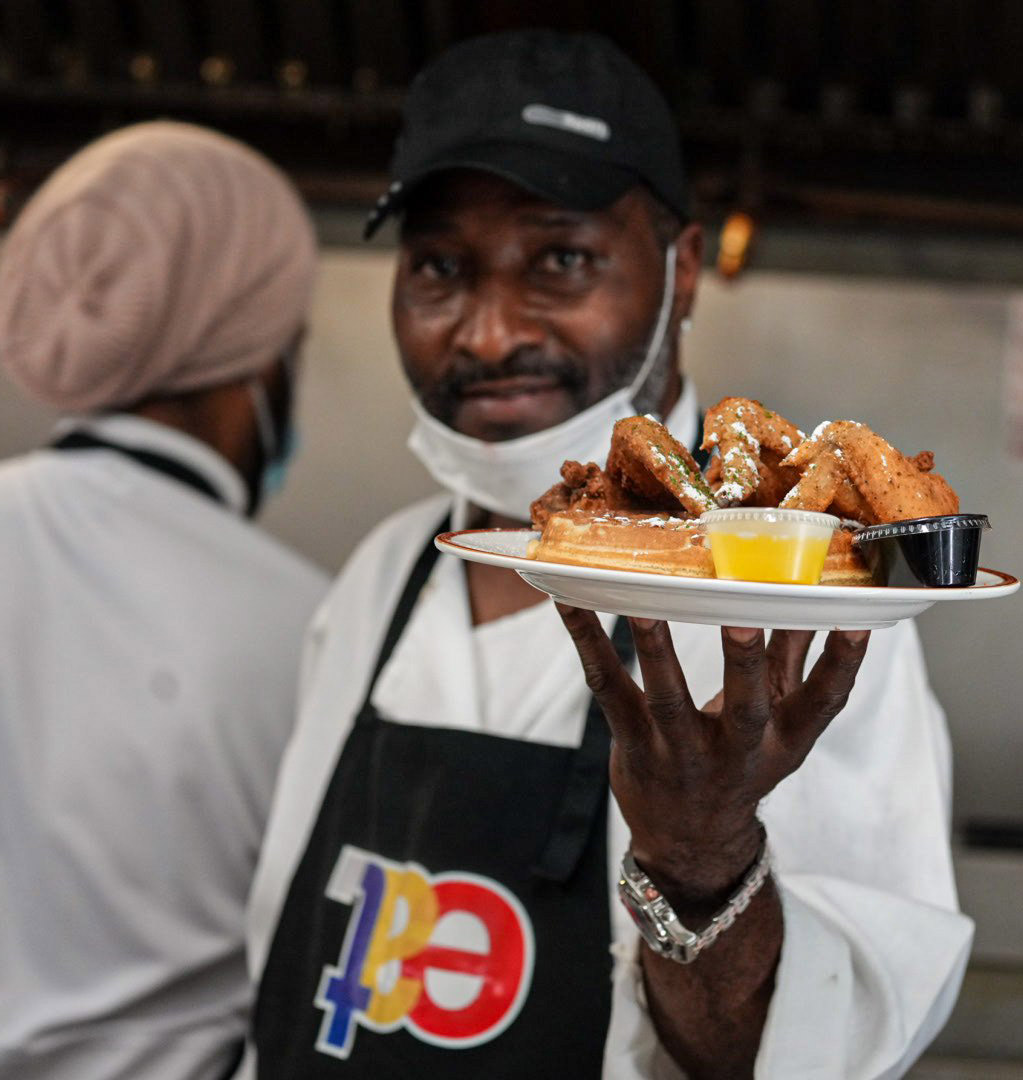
[513, 314]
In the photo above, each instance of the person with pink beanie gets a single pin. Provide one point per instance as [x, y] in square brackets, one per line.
[154, 291]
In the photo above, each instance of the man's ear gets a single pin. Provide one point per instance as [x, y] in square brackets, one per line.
[688, 263]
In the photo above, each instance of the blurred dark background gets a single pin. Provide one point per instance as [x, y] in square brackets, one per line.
[838, 112]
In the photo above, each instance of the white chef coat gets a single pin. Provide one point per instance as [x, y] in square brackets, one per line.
[874, 947]
[152, 644]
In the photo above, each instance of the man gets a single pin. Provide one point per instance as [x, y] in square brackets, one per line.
[437, 894]
[154, 291]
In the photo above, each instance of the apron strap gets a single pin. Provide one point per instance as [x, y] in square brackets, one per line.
[586, 783]
[83, 440]
[407, 601]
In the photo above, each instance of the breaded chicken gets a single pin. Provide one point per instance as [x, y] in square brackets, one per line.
[751, 442]
[645, 460]
[851, 471]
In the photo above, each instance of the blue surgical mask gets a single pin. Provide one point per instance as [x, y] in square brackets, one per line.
[276, 470]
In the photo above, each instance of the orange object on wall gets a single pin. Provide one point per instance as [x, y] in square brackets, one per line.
[736, 240]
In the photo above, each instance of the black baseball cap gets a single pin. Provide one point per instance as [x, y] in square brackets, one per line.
[568, 117]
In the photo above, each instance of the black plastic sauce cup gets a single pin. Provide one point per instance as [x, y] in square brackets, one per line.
[939, 552]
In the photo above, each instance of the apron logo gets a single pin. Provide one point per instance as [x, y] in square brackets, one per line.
[448, 957]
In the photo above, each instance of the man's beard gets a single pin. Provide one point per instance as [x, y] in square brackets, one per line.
[442, 398]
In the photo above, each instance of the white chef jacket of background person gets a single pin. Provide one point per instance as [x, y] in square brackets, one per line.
[874, 947]
[152, 640]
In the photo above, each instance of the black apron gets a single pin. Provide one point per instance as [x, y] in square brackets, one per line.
[510, 831]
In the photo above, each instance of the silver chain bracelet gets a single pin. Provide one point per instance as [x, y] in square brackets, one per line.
[660, 926]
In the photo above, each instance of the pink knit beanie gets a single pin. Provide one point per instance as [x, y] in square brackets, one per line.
[161, 258]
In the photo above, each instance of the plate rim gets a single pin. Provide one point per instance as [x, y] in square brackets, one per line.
[1008, 581]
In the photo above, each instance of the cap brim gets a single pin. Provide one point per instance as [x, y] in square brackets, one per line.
[558, 177]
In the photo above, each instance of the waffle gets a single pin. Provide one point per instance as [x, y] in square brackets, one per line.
[652, 543]
[844, 564]
[663, 544]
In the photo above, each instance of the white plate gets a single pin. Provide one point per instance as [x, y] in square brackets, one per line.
[708, 600]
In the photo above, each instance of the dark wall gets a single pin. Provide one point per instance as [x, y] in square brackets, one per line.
[890, 111]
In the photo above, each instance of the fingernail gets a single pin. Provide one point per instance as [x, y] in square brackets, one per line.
[741, 634]
[856, 636]
[644, 624]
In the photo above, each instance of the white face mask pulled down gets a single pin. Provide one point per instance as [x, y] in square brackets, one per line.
[505, 477]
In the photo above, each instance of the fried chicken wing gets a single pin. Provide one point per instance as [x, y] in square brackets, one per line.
[751, 442]
[851, 471]
[581, 486]
[647, 462]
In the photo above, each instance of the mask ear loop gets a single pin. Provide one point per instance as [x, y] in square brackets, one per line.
[661, 326]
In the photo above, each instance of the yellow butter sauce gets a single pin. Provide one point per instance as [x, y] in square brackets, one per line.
[795, 560]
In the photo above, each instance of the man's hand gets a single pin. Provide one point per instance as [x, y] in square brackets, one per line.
[688, 782]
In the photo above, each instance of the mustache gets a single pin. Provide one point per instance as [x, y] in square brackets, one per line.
[582, 377]
[467, 371]
[441, 398]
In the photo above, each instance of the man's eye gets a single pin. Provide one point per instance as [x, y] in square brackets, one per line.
[437, 267]
[565, 260]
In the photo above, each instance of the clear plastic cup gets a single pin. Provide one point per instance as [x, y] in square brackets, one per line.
[753, 543]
